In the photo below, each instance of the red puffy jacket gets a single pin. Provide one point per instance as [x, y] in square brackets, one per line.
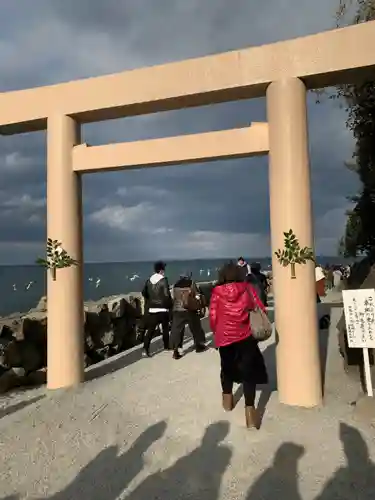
[229, 312]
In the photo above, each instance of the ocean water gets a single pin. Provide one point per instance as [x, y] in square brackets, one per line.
[115, 278]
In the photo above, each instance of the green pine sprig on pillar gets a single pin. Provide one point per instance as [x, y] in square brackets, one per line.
[56, 257]
[293, 254]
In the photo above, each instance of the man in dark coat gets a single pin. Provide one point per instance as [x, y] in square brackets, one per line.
[244, 266]
[256, 271]
[159, 302]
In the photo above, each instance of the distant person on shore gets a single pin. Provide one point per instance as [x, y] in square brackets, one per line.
[337, 277]
[159, 302]
[187, 302]
[244, 266]
[346, 271]
[241, 359]
[248, 276]
[320, 279]
[256, 270]
[142, 325]
[329, 276]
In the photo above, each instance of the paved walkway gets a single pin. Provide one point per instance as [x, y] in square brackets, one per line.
[154, 428]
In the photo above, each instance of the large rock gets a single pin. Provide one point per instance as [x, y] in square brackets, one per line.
[42, 304]
[11, 327]
[16, 377]
[24, 353]
[110, 326]
[98, 328]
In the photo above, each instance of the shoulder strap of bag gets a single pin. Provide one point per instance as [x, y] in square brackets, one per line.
[256, 307]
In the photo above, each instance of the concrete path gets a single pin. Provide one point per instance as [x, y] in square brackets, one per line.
[154, 429]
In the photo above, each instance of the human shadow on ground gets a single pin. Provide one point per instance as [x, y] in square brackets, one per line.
[127, 358]
[199, 474]
[357, 478]
[110, 473]
[323, 352]
[18, 406]
[280, 480]
[269, 354]
[196, 475]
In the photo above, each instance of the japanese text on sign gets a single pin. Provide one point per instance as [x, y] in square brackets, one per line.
[359, 310]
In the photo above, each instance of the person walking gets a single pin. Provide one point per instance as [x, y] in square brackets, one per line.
[159, 302]
[256, 271]
[187, 302]
[245, 268]
[337, 276]
[241, 359]
[320, 279]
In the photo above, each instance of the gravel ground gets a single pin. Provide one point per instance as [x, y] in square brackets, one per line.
[154, 429]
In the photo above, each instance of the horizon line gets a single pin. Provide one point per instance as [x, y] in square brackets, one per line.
[169, 260]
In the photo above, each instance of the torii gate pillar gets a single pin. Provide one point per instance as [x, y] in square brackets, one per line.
[64, 223]
[297, 355]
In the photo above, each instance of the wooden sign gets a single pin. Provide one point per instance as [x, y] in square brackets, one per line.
[359, 310]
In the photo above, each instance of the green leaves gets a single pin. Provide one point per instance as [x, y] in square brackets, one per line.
[292, 253]
[57, 257]
[358, 100]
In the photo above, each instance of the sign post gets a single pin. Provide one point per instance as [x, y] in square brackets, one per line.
[359, 310]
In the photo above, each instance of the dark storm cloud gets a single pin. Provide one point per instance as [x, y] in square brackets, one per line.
[175, 211]
[186, 29]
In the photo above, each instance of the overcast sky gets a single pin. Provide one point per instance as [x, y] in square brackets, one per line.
[211, 210]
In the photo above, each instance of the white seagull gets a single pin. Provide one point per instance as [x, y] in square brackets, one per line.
[28, 286]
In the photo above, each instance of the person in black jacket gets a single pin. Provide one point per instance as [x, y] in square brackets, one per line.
[256, 270]
[159, 302]
[245, 268]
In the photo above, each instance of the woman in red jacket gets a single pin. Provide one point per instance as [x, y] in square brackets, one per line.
[241, 359]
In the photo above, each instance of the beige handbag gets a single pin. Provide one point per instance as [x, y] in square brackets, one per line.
[260, 325]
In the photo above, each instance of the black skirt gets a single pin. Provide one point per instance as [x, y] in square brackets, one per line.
[243, 361]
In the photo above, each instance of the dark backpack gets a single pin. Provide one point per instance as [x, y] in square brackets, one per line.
[189, 299]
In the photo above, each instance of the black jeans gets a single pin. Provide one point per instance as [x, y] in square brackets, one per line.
[249, 389]
[179, 320]
[152, 321]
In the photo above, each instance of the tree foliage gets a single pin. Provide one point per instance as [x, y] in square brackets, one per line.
[359, 99]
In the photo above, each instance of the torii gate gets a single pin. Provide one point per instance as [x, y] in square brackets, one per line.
[283, 72]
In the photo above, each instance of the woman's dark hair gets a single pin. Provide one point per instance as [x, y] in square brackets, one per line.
[159, 266]
[230, 273]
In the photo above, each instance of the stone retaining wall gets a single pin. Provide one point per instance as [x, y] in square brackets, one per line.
[111, 326]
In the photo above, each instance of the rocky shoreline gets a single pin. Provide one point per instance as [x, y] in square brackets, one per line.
[111, 326]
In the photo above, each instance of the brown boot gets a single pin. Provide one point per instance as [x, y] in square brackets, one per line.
[252, 418]
[228, 403]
